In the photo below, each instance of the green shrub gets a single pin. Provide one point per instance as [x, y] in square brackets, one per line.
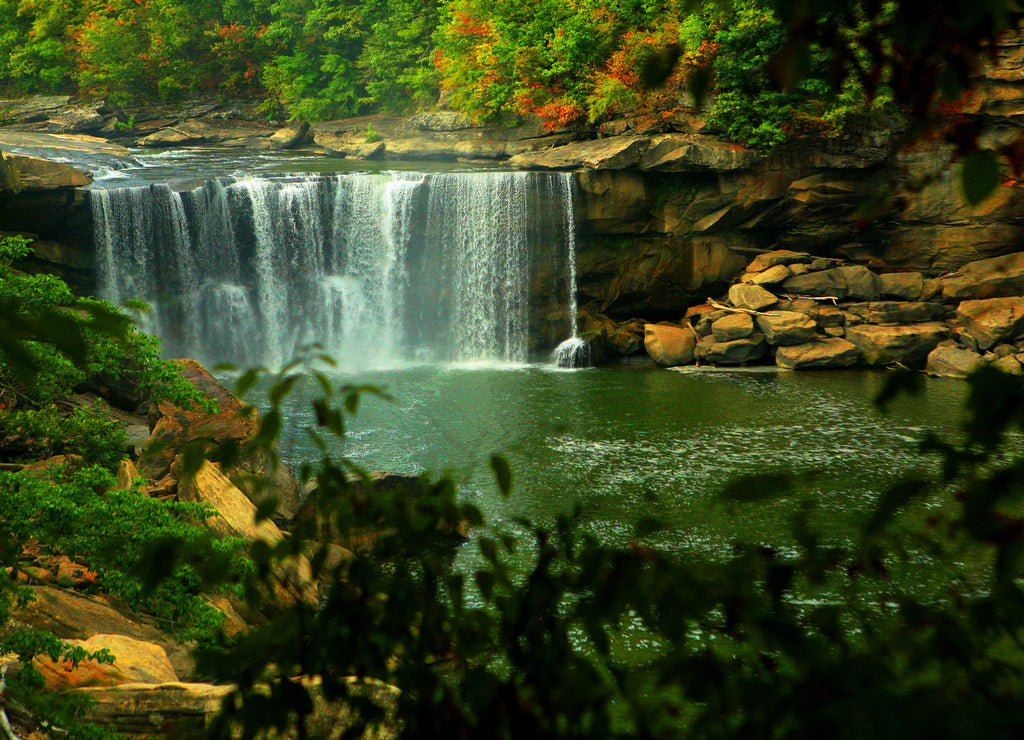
[80, 512]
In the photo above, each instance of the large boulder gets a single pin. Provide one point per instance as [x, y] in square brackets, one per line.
[135, 661]
[782, 328]
[615, 153]
[823, 353]
[72, 616]
[290, 136]
[234, 514]
[908, 286]
[992, 320]
[988, 278]
[948, 360]
[826, 283]
[33, 173]
[669, 345]
[906, 345]
[736, 352]
[751, 297]
[733, 326]
[685, 153]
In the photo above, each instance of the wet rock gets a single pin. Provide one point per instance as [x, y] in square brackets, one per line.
[751, 297]
[783, 328]
[907, 345]
[33, 173]
[833, 352]
[992, 320]
[135, 661]
[736, 352]
[733, 326]
[948, 360]
[905, 285]
[668, 345]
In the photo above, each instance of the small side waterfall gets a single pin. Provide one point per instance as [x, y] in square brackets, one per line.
[379, 269]
[573, 352]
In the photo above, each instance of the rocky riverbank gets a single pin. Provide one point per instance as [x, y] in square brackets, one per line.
[799, 311]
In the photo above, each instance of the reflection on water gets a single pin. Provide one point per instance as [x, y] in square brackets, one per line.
[627, 444]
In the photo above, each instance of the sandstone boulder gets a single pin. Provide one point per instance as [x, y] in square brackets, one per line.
[736, 352]
[684, 153]
[34, 173]
[778, 257]
[782, 328]
[235, 514]
[1009, 365]
[861, 283]
[992, 320]
[831, 352]
[905, 285]
[347, 146]
[668, 345]
[291, 135]
[988, 278]
[733, 326]
[751, 297]
[907, 345]
[72, 616]
[135, 661]
[77, 120]
[951, 361]
[614, 153]
[772, 276]
[826, 283]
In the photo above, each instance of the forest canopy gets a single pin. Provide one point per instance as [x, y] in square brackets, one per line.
[568, 62]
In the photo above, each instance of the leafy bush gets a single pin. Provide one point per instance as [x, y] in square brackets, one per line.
[79, 511]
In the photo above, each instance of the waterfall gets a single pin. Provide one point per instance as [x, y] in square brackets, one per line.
[379, 269]
[573, 352]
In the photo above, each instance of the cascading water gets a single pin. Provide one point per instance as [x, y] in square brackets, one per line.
[573, 352]
[379, 269]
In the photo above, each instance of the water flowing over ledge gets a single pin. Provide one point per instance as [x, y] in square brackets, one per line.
[381, 269]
